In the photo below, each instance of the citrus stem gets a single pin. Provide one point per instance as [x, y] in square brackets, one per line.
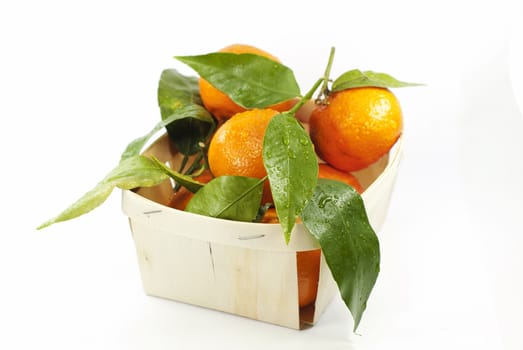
[192, 168]
[240, 197]
[306, 97]
[183, 163]
[196, 164]
[326, 75]
[324, 89]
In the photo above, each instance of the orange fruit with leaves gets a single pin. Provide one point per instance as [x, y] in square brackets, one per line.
[356, 127]
[308, 262]
[221, 106]
[325, 171]
[236, 147]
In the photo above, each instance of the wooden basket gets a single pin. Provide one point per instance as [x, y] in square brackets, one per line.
[236, 267]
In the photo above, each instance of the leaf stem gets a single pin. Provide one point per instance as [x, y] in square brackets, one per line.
[191, 169]
[327, 73]
[326, 76]
[195, 164]
[183, 163]
[306, 97]
[324, 88]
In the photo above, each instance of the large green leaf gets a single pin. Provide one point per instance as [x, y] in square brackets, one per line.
[292, 167]
[357, 78]
[176, 90]
[135, 172]
[130, 173]
[252, 81]
[336, 217]
[179, 97]
[228, 197]
[187, 122]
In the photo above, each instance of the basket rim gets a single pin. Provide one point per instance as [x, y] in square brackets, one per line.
[247, 234]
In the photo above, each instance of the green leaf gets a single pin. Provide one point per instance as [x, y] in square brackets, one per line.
[184, 180]
[132, 172]
[135, 147]
[228, 197]
[179, 96]
[292, 168]
[192, 126]
[176, 90]
[356, 78]
[138, 171]
[252, 81]
[180, 105]
[184, 117]
[336, 217]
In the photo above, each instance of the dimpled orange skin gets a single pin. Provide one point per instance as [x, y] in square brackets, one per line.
[357, 127]
[218, 103]
[236, 147]
[328, 172]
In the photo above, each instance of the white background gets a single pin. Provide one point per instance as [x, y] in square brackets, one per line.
[78, 82]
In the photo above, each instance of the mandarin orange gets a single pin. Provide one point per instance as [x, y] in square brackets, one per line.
[356, 127]
[236, 147]
[218, 103]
